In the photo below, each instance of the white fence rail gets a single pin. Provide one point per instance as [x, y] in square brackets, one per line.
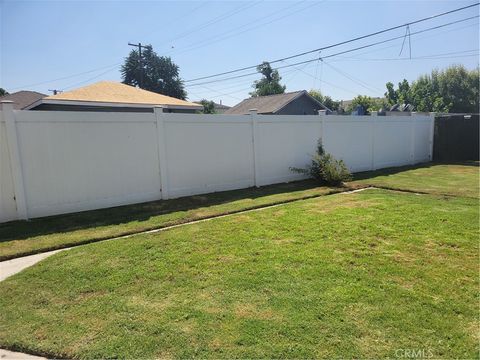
[54, 162]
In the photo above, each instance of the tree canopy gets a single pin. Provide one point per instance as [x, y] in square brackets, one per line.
[3, 92]
[454, 89]
[325, 100]
[269, 84]
[208, 107]
[368, 103]
[160, 73]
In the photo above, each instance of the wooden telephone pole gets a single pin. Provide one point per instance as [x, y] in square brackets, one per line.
[140, 61]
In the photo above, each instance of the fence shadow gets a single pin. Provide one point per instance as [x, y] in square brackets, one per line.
[395, 170]
[23, 230]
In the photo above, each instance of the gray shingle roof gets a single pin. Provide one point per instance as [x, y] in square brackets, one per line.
[21, 99]
[264, 104]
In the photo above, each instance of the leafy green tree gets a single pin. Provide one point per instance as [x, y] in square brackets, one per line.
[208, 107]
[325, 100]
[426, 95]
[454, 89]
[391, 94]
[404, 95]
[160, 73]
[3, 92]
[368, 103]
[400, 96]
[269, 84]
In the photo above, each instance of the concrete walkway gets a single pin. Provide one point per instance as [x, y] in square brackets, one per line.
[11, 267]
[10, 355]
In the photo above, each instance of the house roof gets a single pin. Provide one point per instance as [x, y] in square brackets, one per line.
[115, 93]
[22, 99]
[266, 104]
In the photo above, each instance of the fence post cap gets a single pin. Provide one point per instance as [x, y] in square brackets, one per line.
[6, 104]
[158, 108]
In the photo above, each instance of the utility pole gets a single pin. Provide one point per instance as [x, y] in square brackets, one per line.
[140, 61]
[55, 91]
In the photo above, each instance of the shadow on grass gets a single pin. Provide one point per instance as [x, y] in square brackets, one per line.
[23, 230]
[365, 175]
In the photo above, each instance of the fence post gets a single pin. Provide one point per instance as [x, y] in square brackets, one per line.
[322, 114]
[432, 132]
[413, 129]
[255, 144]
[15, 160]
[373, 124]
[162, 151]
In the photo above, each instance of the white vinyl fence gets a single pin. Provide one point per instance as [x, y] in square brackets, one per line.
[54, 162]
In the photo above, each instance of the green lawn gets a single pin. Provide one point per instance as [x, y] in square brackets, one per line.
[441, 179]
[20, 238]
[357, 275]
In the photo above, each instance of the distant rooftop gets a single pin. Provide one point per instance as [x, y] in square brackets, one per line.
[269, 104]
[118, 93]
[24, 98]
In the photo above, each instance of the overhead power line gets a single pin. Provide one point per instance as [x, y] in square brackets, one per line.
[431, 56]
[233, 32]
[340, 43]
[66, 77]
[86, 81]
[352, 78]
[341, 52]
[213, 21]
[418, 38]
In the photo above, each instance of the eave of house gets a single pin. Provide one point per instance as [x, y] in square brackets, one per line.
[110, 104]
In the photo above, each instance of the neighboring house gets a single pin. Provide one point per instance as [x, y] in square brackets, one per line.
[220, 108]
[293, 103]
[110, 96]
[23, 99]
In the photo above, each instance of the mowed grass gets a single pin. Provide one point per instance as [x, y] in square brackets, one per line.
[441, 179]
[359, 275]
[21, 238]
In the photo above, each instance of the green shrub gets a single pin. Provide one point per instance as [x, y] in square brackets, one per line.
[325, 168]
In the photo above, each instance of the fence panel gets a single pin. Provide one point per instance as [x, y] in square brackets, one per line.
[392, 141]
[284, 142]
[207, 153]
[74, 161]
[350, 139]
[8, 207]
[423, 138]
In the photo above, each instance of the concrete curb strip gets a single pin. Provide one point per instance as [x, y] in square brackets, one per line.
[11, 355]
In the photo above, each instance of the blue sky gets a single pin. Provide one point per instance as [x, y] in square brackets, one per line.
[42, 41]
